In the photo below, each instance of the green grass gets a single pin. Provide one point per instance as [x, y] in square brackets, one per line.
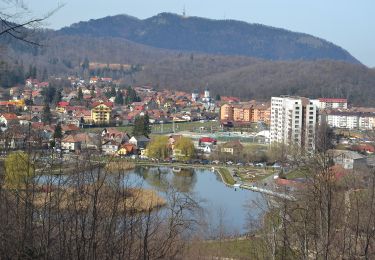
[253, 147]
[298, 173]
[227, 177]
[167, 128]
[238, 249]
[253, 174]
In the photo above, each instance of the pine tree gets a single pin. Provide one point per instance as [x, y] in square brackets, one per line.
[119, 100]
[57, 97]
[131, 96]
[80, 94]
[47, 115]
[58, 131]
[146, 125]
[142, 126]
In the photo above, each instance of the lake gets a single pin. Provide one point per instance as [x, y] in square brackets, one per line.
[222, 204]
[225, 209]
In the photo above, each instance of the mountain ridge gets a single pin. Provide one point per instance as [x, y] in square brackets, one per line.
[222, 37]
[235, 75]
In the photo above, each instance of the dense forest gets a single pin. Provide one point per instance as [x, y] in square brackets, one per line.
[228, 37]
[241, 76]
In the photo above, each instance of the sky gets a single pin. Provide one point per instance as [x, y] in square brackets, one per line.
[349, 24]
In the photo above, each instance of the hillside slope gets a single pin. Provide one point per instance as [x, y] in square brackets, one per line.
[242, 76]
[224, 37]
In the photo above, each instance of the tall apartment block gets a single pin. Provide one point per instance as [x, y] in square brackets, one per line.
[294, 121]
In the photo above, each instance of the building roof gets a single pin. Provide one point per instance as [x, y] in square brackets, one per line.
[69, 128]
[348, 154]
[207, 140]
[128, 147]
[333, 100]
[63, 104]
[69, 139]
[97, 103]
[236, 143]
[141, 138]
[10, 116]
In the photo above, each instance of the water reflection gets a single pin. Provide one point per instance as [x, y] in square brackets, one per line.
[221, 204]
[162, 178]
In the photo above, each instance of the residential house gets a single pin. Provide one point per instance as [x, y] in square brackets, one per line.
[207, 141]
[346, 158]
[89, 141]
[36, 109]
[61, 106]
[140, 142]
[232, 147]
[8, 119]
[127, 149]
[70, 143]
[363, 148]
[110, 147]
[114, 134]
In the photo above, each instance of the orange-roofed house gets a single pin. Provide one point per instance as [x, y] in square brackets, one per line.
[127, 149]
[61, 106]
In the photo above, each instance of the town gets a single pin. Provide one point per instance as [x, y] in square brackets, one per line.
[70, 116]
[135, 131]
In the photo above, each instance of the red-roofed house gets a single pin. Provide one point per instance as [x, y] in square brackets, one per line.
[42, 85]
[363, 148]
[61, 106]
[207, 141]
[8, 118]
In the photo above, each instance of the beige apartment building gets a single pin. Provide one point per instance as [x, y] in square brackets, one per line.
[245, 113]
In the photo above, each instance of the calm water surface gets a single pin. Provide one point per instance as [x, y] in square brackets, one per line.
[221, 204]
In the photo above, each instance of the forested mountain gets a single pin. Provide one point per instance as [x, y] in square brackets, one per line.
[224, 37]
[242, 76]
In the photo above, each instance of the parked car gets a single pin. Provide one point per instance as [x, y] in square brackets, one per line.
[260, 164]
[229, 162]
[205, 162]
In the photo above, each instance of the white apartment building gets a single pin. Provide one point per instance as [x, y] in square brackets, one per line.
[350, 120]
[331, 103]
[293, 121]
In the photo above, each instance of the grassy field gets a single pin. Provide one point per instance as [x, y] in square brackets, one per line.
[255, 174]
[234, 249]
[227, 177]
[168, 128]
[297, 173]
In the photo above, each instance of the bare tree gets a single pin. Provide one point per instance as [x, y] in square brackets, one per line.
[19, 22]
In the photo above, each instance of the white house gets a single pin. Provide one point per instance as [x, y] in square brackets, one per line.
[110, 147]
[70, 143]
[346, 158]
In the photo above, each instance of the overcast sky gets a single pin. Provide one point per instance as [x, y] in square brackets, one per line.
[349, 24]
